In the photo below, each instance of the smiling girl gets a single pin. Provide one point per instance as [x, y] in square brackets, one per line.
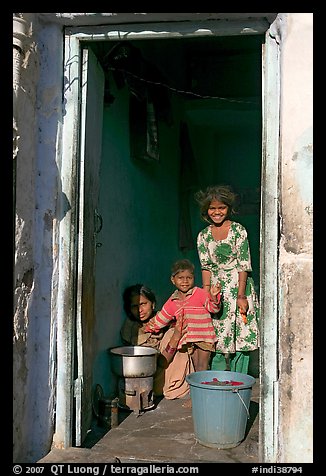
[224, 254]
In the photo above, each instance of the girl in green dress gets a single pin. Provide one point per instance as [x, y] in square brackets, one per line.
[224, 254]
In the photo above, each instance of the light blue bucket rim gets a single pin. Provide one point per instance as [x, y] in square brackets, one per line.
[229, 388]
[189, 379]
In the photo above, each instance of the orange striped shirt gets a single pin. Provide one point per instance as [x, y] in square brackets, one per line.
[195, 309]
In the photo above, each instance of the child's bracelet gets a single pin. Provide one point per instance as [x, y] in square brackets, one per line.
[241, 296]
[169, 349]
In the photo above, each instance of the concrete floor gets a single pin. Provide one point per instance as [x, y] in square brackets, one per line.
[164, 434]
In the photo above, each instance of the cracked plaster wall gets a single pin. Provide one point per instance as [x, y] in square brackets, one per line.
[38, 119]
[296, 247]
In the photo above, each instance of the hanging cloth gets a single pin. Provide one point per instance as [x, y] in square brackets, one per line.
[188, 181]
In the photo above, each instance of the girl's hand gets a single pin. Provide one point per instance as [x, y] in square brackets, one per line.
[168, 353]
[243, 305]
[215, 289]
[243, 315]
[179, 330]
[150, 326]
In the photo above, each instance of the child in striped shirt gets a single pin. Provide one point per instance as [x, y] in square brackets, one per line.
[190, 307]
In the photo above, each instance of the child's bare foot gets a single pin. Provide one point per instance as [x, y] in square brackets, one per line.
[187, 404]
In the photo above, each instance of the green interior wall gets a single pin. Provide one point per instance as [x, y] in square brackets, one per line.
[140, 218]
[139, 199]
[232, 155]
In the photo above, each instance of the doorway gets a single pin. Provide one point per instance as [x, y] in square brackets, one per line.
[207, 123]
[207, 128]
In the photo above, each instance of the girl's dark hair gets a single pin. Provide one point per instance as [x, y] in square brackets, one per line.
[136, 290]
[222, 193]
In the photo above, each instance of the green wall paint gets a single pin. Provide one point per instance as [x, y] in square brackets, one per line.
[139, 201]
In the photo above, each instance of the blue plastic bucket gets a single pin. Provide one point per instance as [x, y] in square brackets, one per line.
[220, 412]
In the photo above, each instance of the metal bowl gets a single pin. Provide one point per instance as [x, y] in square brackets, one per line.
[133, 361]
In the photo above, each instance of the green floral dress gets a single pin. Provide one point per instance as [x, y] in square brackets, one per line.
[225, 259]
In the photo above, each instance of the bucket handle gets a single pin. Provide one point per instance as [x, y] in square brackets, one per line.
[236, 390]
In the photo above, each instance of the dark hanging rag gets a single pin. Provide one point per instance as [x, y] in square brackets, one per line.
[188, 181]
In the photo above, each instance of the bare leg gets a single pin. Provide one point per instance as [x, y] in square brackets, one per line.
[200, 360]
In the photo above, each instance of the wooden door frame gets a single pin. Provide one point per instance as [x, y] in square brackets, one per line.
[269, 243]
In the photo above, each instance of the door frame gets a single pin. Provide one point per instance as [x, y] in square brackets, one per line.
[68, 226]
[269, 243]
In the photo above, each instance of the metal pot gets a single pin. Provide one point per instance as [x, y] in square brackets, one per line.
[133, 361]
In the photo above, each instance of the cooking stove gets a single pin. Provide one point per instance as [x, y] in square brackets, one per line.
[135, 366]
[136, 393]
